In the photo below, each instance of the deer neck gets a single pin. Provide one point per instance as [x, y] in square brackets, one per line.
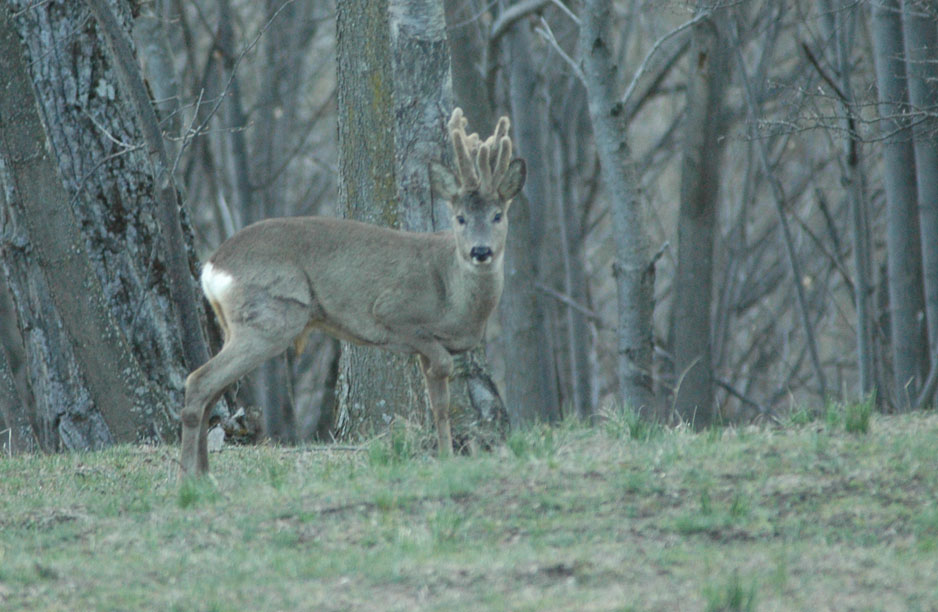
[478, 288]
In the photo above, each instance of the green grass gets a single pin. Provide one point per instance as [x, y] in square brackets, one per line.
[815, 515]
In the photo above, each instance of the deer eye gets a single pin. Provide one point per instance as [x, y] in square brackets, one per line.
[460, 219]
[497, 218]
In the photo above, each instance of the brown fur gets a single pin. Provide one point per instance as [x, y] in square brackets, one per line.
[425, 294]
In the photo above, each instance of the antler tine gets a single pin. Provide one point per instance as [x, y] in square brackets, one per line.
[463, 150]
[501, 160]
[497, 154]
[501, 128]
[485, 167]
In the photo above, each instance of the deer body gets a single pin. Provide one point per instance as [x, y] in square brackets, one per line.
[389, 279]
[428, 294]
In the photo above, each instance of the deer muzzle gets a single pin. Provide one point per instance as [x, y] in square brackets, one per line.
[480, 254]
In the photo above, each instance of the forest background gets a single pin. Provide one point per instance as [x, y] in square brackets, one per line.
[731, 210]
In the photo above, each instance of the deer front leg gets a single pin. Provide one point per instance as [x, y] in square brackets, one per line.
[195, 417]
[437, 375]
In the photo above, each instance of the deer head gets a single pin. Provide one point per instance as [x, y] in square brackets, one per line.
[480, 191]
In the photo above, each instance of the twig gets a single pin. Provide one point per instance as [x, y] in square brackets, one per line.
[823, 73]
[566, 11]
[732, 390]
[548, 35]
[658, 43]
[231, 77]
[324, 449]
[569, 301]
[509, 16]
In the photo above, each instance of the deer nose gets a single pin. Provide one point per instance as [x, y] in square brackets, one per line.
[480, 254]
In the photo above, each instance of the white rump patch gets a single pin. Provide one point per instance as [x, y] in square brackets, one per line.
[215, 283]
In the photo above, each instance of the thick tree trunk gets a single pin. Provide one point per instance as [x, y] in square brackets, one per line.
[579, 334]
[85, 257]
[530, 380]
[700, 189]
[392, 115]
[16, 432]
[840, 25]
[174, 238]
[633, 269]
[423, 99]
[903, 238]
[256, 180]
[373, 386]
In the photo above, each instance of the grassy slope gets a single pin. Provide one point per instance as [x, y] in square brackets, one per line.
[802, 518]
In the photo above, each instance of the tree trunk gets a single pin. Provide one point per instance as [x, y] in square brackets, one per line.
[633, 269]
[855, 181]
[423, 100]
[107, 365]
[840, 25]
[16, 431]
[700, 186]
[256, 177]
[903, 239]
[373, 386]
[392, 117]
[530, 380]
[921, 48]
[579, 334]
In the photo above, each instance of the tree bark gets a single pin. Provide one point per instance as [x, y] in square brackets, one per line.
[840, 26]
[423, 101]
[633, 269]
[530, 380]
[903, 238]
[16, 431]
[702, 155]
[373, 386]
[81, 258]
[174, 235]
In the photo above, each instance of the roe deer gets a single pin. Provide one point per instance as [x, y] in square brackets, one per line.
[428, 294]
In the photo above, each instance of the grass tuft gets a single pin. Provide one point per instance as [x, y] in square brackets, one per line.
[857, 415]
[731, 596]
[628, 424]
[540, 441]
[195, 491]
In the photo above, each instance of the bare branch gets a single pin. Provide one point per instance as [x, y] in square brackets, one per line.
[548, 35]
[563, 8]
[513, 13]
[658, 43]
[569, 301]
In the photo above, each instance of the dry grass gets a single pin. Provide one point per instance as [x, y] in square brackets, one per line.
[802, 518]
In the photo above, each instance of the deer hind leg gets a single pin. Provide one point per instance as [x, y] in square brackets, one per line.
[244, 350]
[437, 377]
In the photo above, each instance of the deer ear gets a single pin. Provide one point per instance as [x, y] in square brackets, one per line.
[443, 182]
[513, 180]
